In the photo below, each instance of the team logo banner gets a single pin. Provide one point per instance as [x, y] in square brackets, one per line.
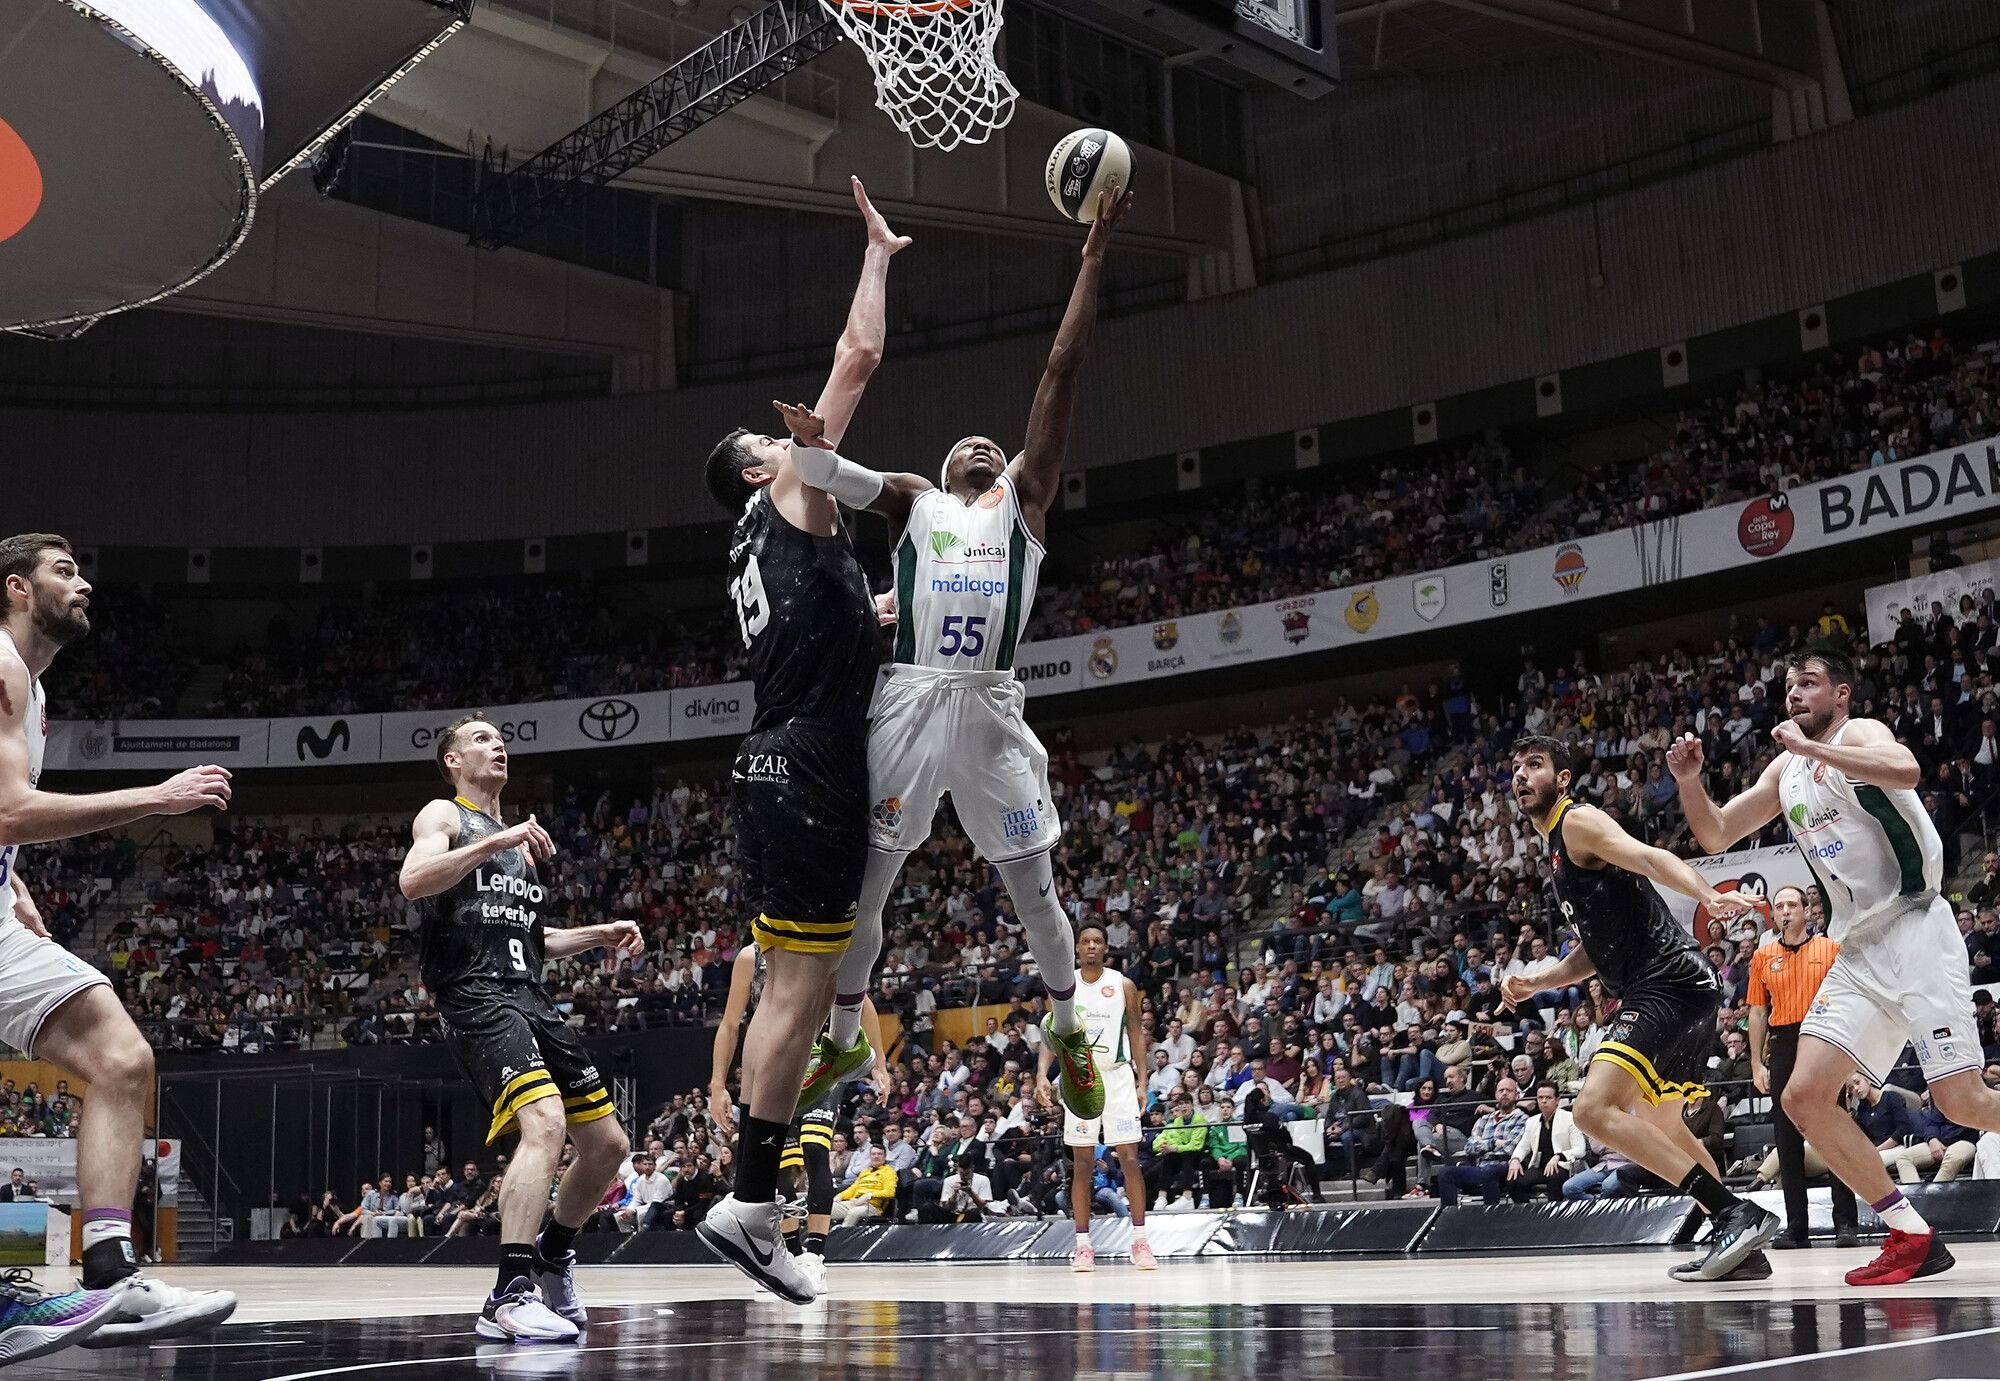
[1948, 486]
[1755, 872]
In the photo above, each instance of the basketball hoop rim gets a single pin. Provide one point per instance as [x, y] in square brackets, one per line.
[898, 9]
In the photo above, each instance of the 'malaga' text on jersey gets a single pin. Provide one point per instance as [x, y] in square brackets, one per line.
[965, 580]
[488, 924]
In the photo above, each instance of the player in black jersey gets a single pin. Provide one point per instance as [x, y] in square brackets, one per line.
[1654, 1055]
[800, 782]
[480, 900]
[809, 1148]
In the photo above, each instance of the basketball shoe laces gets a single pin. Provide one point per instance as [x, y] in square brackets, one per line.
[1080, 1075]
[19, 1291]
[1904, 1251]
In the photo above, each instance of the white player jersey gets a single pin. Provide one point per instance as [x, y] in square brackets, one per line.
[38, 739]
[1100, 1006]
[965, 580]
[1869, 847]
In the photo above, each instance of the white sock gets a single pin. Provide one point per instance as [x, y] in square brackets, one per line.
[1138, 1232]
[1083, 1237]
[1896, 1212]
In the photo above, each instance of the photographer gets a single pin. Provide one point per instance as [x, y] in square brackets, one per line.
[967, 1195]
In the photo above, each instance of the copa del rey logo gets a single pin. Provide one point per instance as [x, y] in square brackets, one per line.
[1765, 527]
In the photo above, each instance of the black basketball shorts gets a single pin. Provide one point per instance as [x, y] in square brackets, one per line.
[516, 1049]
[1661, 1035]
[800, 792]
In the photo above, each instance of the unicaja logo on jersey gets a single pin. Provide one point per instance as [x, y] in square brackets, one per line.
[949, 546]
[1806, 821]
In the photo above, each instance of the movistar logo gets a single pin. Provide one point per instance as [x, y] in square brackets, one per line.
[942, 542]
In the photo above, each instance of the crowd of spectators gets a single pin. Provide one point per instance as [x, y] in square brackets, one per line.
[1364, 826]
[417, 648]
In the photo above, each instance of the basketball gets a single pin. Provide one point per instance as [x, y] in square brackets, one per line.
[1084, 164]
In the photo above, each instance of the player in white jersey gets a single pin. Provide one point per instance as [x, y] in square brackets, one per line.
[55, 1007]
[1107, 1002]
[948, 712]
[1847, 789]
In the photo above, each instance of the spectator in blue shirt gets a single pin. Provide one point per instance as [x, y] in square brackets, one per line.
[1886, 1118]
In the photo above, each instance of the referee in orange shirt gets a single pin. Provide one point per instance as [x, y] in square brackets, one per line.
[1784, 977]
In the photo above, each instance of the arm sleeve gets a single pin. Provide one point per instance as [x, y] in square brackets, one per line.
[854, 485]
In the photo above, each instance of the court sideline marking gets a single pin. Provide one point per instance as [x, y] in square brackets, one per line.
[1740, 1367]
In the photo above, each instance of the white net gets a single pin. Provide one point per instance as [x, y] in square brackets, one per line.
[936, 74]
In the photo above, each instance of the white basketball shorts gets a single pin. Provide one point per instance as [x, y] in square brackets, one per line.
[36, 977]
[1119, 1126]
[1904, 980]
[962, 732]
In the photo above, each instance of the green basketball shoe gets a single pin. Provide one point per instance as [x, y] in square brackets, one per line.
[829, 1068]
[1076, 1079]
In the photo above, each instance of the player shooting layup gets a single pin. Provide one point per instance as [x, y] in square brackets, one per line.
[1847, 789]
[948, 715]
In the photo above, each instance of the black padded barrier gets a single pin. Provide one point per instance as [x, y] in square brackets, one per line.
[1639, 1221]
[1321, 1232]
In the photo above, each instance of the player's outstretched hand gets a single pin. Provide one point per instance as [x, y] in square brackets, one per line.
[806, 427]
[1728, 905]
[1684, 758]
[879, 232]
[1110, 211]
[625, 937]
[195, 788]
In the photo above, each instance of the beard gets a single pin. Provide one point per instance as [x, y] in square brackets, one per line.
[62, 623]
[1813, 723]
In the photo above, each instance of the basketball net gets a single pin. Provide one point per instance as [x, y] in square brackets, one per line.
[935, 71]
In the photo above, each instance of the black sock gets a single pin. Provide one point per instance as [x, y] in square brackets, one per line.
[107, 1263]
[758, 1151]
[1708, 1191]
[816, 1243]
[517, 1262]
[555, 1242]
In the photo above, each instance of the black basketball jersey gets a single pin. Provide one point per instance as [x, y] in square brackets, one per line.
[803, 607]
[488, 924]
[1623, 922]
